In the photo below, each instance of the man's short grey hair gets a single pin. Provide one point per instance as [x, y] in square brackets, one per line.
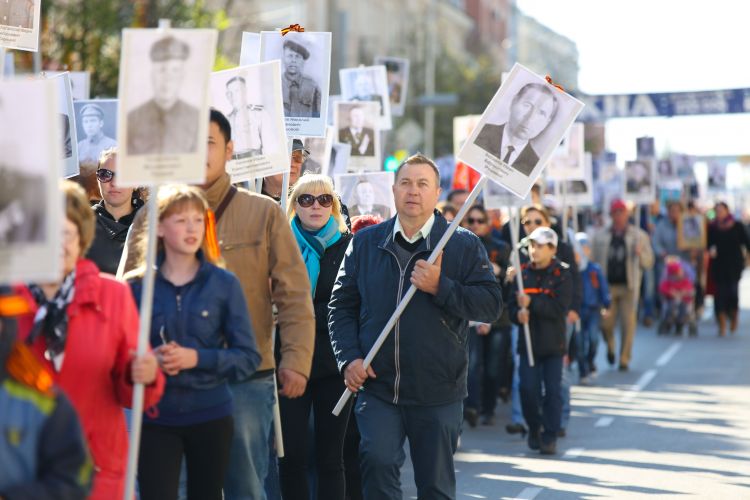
[542, 88]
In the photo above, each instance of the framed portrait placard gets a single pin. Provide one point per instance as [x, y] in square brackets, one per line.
[305, 78]
[368, 84]
[250, 98]
[397, 73]
[578, 191]
[568, 160]
[163, 111]
[356, 124]
[367, 193]
[96, 129]
[31, 205]
[519, 130]
[639, 181]
[691, 232]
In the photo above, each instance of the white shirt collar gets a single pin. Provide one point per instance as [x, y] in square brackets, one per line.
[509, 140]
[422, 233]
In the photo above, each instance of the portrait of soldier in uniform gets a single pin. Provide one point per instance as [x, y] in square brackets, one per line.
[91, 119]
[251, 125]
[165, 124]
[17, 13]
[301, 94]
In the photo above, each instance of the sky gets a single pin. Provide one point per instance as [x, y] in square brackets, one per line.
[639, 46]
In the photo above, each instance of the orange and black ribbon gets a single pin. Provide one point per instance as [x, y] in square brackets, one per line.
[211, 239]
[552, 82]
[292, 27]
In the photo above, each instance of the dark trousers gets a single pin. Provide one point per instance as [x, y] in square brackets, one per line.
[320, 396]
[489, 360]
[727, 297]
[351, 460]
[433, 436]
[205, 447]
[540, 395]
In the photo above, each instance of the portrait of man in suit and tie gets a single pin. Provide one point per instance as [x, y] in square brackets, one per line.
[360, 137]
[532, 109]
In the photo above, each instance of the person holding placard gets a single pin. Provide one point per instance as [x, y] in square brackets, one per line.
[416, 385]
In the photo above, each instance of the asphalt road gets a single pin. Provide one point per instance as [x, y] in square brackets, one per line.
[677, 425]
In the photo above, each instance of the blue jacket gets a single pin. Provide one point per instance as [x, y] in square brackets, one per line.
[424, 359]
[208, 314]
[595, 287]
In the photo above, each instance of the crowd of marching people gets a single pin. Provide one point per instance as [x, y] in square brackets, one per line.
[250, 302]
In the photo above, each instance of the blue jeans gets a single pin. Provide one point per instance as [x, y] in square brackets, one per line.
[542, 410]
[249, 456]
[516, 415]
[433, 437]
[483, 380]
[565, 384]
[588, 339]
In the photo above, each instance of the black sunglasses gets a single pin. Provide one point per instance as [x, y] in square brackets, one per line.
[307, 200]
[472, 220]
[105, 175]
[537, 222]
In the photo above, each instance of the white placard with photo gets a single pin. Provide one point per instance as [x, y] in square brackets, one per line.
[250, 49]
[250, 98]
[80, 83]
[96, 129]
[645, 148]
[496, 196]
[332, 100]
[463, 126]
[320, 152]
[397, 73]
[717, 176]
[356, 124]
[639, 181]
[305, 78]
[368, 84]
[367, 193]
[520, 129]
[66, 116]
[580, 191]
[19, 24]
[31, 204]
[164, 99]
[568, 161]
[339, 161]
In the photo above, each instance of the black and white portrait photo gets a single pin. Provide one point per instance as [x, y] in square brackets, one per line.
[397, 74]
[96, 127]
[320, 152]
[665, 170]
[520, 130]
[367, 193]
[567, 162]
[30, 170]
[66, 117]
[640, 181]
[368, 84]
[356, 123]
[577, 191]
[305, 78]
[339, 160]
[164, 100]
[717, 176]
[250, 98]
[21, 17]
[645, 148]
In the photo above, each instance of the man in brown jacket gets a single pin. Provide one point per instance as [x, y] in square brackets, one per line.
[257, 245]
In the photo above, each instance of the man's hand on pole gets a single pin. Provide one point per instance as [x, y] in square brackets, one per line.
[355, 374]
[426, 277]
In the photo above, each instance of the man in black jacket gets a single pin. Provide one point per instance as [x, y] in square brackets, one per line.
[415, 385]
[544, 305]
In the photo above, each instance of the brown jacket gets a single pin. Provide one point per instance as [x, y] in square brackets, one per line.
[257, 245]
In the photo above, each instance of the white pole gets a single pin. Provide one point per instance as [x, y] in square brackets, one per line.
[278, 437]
[514, 230]
[565, 210]
[143, 342]
[412, 289]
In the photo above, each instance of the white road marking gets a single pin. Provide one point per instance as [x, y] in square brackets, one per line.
[641, 384]
[529, 493]
[604, 422]
[574, 452]
[668, 354]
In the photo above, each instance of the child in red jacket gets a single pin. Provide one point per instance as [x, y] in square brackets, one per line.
[677, 292]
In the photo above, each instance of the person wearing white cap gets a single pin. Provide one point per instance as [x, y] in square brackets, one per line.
[543, 305]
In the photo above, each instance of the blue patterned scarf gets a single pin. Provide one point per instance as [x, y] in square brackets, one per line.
[313, 245]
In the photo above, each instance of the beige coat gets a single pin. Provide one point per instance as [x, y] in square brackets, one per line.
[258, 246]
[633, 237]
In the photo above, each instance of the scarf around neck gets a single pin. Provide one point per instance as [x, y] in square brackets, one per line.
[313, 245]
[51, 320]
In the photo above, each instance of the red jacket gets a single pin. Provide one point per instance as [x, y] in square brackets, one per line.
[670, 288]
[95, 374]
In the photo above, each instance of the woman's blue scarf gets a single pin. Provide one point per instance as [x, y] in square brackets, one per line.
[314, 244]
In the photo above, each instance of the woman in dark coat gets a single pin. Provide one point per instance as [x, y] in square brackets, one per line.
[726, 239]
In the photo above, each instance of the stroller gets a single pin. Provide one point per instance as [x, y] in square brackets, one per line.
[677, 292]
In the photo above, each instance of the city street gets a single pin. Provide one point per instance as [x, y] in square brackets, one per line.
[676, 426]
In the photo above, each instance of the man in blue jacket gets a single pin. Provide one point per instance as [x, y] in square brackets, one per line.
[416, 384]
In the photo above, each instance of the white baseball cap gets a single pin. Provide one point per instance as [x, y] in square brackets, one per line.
[543, 236]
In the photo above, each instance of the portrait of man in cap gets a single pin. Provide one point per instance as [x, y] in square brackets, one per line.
[301, 93]
[91, 118]
[164, 124]
[251, 125]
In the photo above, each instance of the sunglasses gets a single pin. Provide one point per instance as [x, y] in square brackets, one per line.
[472, 220]
[536, 222]
[105, 175]
[307, 200]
